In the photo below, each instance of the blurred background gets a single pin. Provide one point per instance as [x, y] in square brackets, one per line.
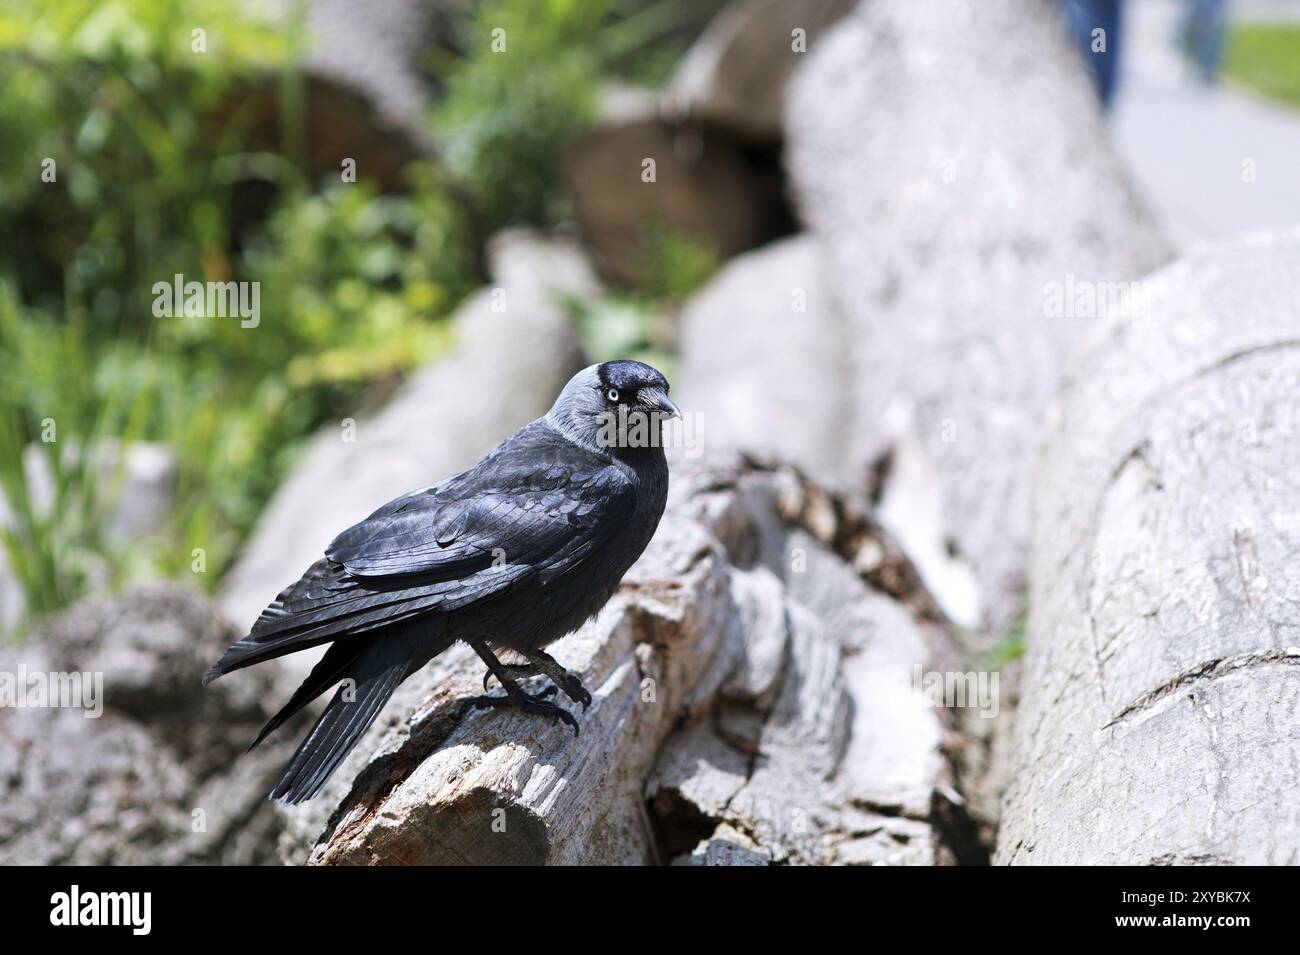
[355, 163]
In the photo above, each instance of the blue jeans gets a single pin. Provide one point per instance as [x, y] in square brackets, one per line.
[1083, 17]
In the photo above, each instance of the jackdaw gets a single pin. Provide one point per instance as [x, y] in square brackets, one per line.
[513, 553]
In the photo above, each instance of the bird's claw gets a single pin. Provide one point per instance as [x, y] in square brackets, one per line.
[529, 703]
[575, 691]
[566, 681]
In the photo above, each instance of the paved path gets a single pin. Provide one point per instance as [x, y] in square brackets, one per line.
[1189, 146]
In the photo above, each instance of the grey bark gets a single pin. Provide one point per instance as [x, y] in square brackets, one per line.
[763, 360]
[157, 777]
[1159, 722]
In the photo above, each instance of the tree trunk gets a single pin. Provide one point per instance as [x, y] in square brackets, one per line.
[951, 162]
[1160, 719]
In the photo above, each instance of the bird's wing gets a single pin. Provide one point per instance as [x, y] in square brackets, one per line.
[539, 502]
[533, 511]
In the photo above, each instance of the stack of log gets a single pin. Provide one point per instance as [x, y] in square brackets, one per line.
[873, 505]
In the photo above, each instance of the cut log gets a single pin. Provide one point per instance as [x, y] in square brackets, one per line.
[736, 72]
[1160, 719]
[705, 186]
[134, 764]
[763, 359]
[951, 189]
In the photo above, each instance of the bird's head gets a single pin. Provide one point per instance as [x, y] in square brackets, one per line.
[616, 405]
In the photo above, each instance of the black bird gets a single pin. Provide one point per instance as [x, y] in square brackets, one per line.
[513, 553]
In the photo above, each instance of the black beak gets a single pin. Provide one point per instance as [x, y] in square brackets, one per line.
[656, 399]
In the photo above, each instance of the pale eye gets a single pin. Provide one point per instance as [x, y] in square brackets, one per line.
[612, 394]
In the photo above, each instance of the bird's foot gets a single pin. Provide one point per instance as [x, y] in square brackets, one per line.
[529, 703]
[572, 687]
[543, 664]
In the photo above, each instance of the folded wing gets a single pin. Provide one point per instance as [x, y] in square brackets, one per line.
[527, 515]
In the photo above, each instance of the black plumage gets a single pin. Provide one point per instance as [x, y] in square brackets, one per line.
[514, 553]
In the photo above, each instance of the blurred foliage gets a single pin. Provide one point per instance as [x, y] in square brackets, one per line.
[527, 82]
[55, 405]
[625, 327]
[112, 93]
[677, 265]
[158, 172]
[1266, 57]
[638, 324]
[153, 178]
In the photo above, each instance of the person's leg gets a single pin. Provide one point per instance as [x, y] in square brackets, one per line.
[1210, 19]
[1096, 26]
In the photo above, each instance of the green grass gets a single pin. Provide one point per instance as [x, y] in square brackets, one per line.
[56, 419]
[1266, 57]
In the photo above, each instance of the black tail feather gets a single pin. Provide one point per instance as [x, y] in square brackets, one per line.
[267, 644]
[331, 668]
[377, 671]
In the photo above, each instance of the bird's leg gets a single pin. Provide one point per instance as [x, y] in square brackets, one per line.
[516, 671]
[515, 698]
[541, 662]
